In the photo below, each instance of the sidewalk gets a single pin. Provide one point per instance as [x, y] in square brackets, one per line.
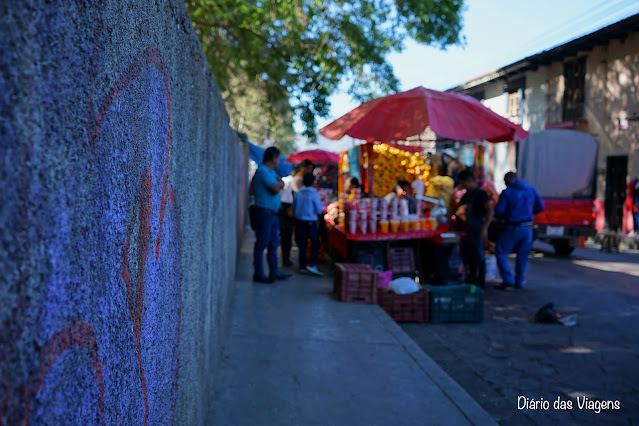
[296, 356]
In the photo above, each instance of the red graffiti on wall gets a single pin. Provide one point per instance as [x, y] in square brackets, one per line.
[135, 301]
[150, 56]
[79, 334]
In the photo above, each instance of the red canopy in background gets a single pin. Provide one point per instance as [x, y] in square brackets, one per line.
[405, 114]
[316, 156]
[409, 148]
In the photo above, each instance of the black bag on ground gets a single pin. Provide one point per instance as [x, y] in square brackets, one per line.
[547, 315]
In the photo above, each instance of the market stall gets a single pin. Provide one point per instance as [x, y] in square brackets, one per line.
[379, 165]
[365, 227]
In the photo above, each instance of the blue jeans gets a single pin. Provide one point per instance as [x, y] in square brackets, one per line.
[635, 222]
[303, 231]
[267, 235]
[514, 239]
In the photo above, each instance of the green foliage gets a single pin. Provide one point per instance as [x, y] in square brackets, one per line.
[291, 55]
[251, 114]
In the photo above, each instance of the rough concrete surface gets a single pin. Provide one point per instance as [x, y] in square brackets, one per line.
[118, 213]
[297, 356]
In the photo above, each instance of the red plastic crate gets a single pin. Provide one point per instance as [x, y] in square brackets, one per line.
[355, 283]
[405, 307]
[401, 260]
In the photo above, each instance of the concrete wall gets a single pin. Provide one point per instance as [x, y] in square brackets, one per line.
[554, 95]
[535, 100]
[622, 88]
[118, 214]
[612, 93]
[499, 157]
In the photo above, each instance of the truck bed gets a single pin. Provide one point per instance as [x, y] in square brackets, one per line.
[559, 212]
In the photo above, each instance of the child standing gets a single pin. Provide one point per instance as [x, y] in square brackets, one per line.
[306, 207]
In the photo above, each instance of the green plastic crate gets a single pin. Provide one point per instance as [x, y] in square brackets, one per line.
[456, 303]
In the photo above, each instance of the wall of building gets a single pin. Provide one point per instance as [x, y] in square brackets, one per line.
[499, 157]
[534, 116]
[622, 88]
[118, 214]
[554, 95]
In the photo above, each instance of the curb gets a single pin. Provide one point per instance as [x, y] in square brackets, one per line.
[458, 396]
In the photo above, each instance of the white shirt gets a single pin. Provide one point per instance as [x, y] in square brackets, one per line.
[286, 195]
[419, 186]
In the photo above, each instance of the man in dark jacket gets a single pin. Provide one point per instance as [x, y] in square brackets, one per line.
[478, 213]
[517, 205]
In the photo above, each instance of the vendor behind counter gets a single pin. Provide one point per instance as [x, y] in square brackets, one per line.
[403, 190]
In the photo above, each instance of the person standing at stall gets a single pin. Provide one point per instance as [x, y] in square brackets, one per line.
[266, 186]
[403, 190]
[479, 214]
[287, 220]
[632, 204]
[306, 166]
[352, 190]
[307, 206]
[517, 206]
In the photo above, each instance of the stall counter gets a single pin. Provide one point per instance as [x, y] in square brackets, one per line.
[338, 239]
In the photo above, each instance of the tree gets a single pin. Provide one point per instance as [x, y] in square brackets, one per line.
[297, 52]
[251, 114]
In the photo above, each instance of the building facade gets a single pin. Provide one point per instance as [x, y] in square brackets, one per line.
[590, 84]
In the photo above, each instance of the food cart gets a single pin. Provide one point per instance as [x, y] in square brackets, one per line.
[396, 118]
[366, 230]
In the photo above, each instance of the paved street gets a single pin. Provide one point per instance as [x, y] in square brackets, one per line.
[509, 356]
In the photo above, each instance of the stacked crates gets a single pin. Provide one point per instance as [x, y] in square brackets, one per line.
[355, 283]
[405, 307]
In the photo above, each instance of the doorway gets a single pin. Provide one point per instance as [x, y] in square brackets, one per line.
[616, 176]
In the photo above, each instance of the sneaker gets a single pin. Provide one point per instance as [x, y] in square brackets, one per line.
[280, 276]
[261, 279]
[287, 262]
[505, 286]
[313, 270]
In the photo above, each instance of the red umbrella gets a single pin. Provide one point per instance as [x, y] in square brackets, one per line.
[316, 156]
[405, 114]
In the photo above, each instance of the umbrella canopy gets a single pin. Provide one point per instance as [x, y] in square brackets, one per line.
[405, 114]
[256, 153]
[317, 156]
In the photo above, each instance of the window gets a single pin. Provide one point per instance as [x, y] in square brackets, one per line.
[513, 107]
[515, 89]
[574, 91]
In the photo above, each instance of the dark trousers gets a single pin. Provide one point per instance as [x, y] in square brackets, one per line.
[303, 231]
[472, 251]
[286, 231]
[635, 222]
[267, 236]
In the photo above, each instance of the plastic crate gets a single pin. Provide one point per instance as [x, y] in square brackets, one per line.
[373, 257]
[457, 303]
[405, 307]
[401, 260]
[355, 283]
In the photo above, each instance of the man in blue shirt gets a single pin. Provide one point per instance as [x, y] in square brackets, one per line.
[517, 205]
[306, 207]
[266, 193]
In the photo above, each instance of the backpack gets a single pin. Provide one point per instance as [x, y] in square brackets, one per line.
[547, 315]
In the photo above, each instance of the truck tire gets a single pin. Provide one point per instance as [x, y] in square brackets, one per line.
[563, 247]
